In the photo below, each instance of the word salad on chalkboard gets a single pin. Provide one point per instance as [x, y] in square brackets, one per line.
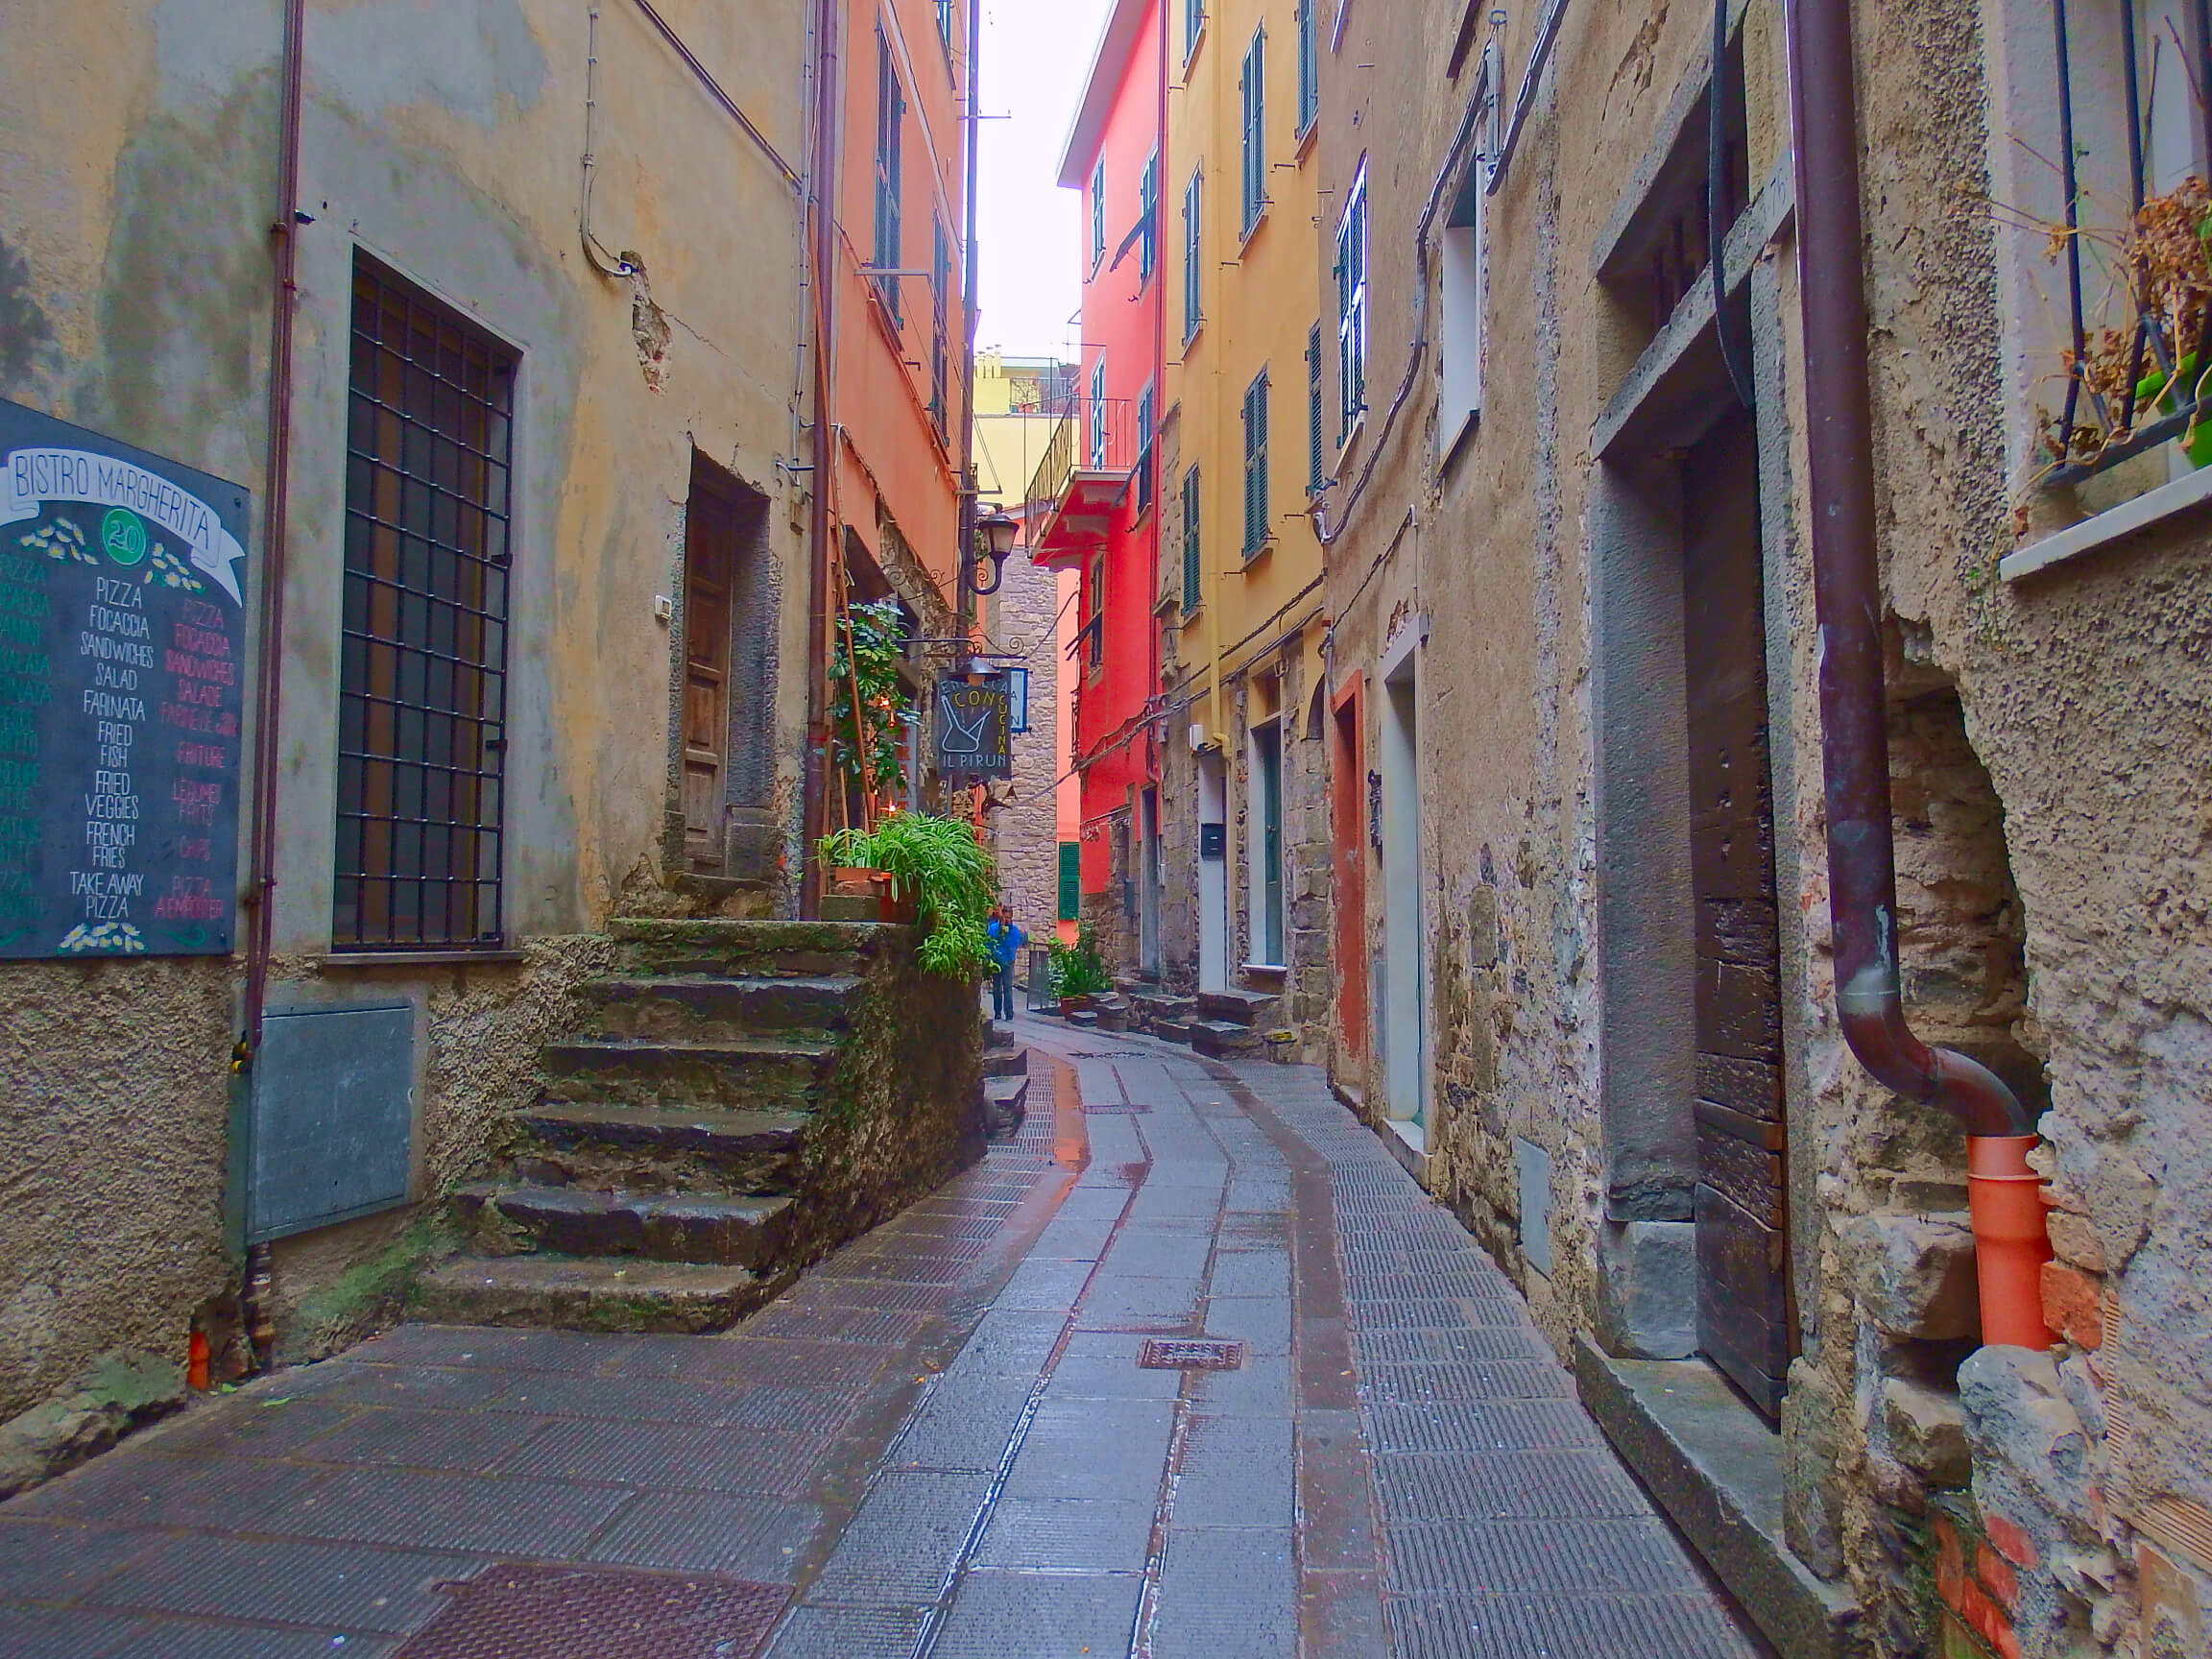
[122, 681]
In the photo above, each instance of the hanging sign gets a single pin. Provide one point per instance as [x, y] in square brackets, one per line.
[122, 683]
[973, 728]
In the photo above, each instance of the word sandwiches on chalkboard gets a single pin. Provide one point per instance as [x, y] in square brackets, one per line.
[122, 683]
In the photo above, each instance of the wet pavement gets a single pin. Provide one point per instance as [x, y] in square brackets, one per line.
[1191, 1369]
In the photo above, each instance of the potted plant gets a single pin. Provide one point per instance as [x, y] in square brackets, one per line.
[935, 868]
[1079, 972]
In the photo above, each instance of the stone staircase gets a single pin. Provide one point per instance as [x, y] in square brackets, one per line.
[1231, 1022]
[1006, 1082]
[744, 1096]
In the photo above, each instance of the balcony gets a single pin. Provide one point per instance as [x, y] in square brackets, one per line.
[1095, 455]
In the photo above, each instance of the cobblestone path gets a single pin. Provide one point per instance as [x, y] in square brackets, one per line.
[943, 1444]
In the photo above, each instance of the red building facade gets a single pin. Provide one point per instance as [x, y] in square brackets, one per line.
[1095, 500]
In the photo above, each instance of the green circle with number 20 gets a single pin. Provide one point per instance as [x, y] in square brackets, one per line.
[123, 533]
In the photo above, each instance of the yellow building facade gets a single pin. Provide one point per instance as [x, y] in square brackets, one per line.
[1244, 796]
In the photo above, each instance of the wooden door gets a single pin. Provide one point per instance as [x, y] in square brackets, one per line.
[1743, 1312]
[710, 560]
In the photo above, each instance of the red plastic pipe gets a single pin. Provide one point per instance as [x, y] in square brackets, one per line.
[1854, 709]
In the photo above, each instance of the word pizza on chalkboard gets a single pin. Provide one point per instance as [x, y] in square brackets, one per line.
[122, 681]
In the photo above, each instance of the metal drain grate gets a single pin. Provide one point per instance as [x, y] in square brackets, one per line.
[1115, 1108]
[1186, 1354]
[1107, 1054]
[567, 1613]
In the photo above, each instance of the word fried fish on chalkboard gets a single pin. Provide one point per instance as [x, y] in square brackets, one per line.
[122, 640]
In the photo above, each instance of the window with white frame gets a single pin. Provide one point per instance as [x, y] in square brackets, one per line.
[1098, 433]
[1252, 86]
[1352, 305]
[1097, 215]
[2097, 167]
[1193, 26]
[1463, 253]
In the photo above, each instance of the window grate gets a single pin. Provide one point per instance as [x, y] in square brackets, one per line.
[423, 678]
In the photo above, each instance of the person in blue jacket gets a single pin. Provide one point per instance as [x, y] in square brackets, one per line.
[1006, 942]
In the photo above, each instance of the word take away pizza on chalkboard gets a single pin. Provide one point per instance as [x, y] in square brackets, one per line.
[122, 683]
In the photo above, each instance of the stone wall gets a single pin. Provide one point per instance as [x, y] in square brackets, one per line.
[1025, 809]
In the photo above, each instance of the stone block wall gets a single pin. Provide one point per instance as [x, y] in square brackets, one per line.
[1024, 810]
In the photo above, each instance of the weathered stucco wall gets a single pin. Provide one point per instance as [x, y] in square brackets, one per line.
[2051, 748]
[138, 156]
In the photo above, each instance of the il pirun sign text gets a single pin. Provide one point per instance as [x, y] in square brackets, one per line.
[121, 678]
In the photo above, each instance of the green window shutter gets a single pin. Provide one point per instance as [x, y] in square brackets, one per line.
[1256, 502]
[1193, 592]
[1070, 881]
[1308, 67]
[1313, 479]
[1252, 84]
[1192, 199]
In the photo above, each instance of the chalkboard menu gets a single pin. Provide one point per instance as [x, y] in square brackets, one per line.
[122, 681]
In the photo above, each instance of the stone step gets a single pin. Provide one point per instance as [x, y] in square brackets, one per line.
[722, 1229]
[1235, 1007]
[1008, 1105]
[589, 1296]
[1005, 1062]
[749, 950]
[606, 1143]
[1220, 1038]
[745, 1073]
[1174, 1030]
[1084, 1019]
[1162, 1005]
[689, 1008]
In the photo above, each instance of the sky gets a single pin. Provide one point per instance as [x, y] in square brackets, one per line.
[1035, 56]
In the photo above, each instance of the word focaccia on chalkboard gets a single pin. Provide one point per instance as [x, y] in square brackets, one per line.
[122, 683]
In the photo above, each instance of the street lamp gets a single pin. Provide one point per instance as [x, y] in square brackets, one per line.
[995, 534]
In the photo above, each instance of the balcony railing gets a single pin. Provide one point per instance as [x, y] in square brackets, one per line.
[1095, 442]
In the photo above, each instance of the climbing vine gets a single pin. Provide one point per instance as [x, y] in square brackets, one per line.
[866, 667]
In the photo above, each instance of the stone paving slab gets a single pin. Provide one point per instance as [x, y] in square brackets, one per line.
[313, 1512]
[941, 1444]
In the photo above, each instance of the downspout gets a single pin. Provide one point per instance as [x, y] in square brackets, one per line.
[2010, 1239]
[822, 197]
[1153, 641]
[963, 555]
[260, 895]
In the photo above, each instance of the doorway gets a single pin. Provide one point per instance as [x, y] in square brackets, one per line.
[1149, 894]
[1404, 992]
[1212, 871]
[1744, 1316]
[1348, 829]
[1266, 852]
[710, 587]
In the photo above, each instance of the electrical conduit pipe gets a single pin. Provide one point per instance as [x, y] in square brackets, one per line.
[2010, 1238]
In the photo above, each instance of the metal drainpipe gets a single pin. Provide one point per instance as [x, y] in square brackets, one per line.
[822, 197]
[268, 693]
[967, 603]
[2010, 1240]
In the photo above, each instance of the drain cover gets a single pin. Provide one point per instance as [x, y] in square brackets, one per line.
[567, 1613]
[1108, 1108]
[1167, 1354]
[1105, 1054]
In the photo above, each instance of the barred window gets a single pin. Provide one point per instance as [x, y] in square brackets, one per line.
[422, 669]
